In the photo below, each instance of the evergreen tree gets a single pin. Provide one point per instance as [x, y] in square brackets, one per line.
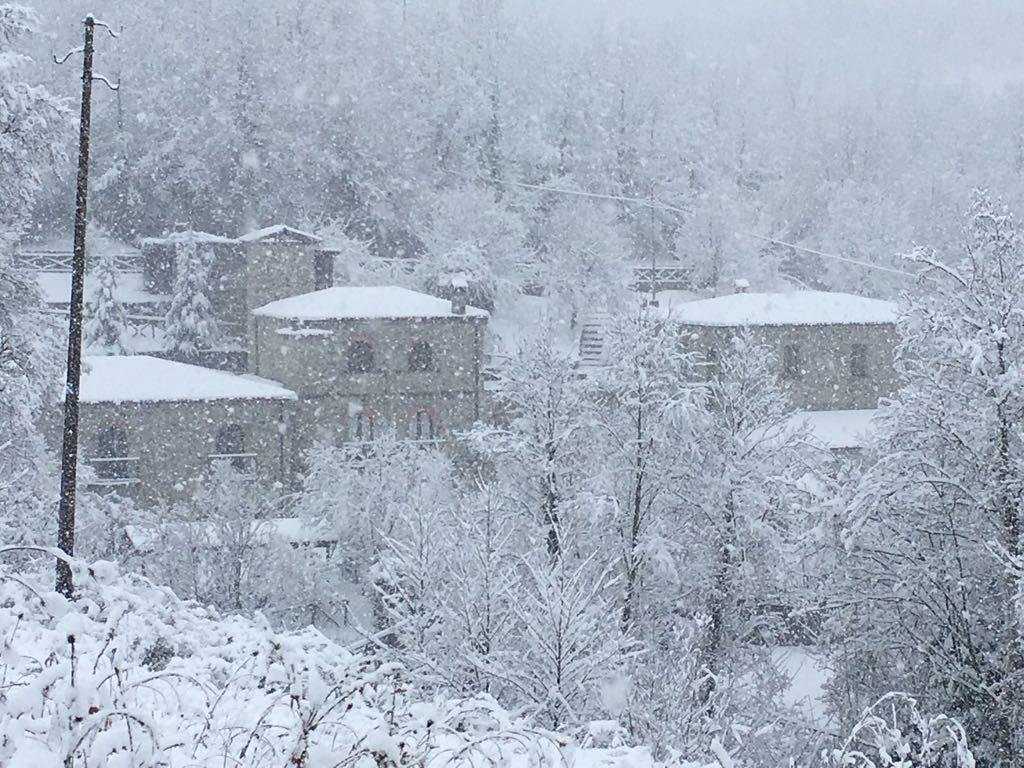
[106, 321]
[191, 324]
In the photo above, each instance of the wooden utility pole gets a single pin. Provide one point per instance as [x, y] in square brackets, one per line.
[69, 453]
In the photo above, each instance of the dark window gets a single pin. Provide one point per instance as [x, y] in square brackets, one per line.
[360, 357]
[791, 363]
[859, 361]
[112, 460]
[424, 425]
[323, 270]
[362, 427]
[230, 446]
[421, 357]
[711, 362]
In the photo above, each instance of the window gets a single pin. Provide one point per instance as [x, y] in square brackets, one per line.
[112, 461]
[859, 361]
[711, 362]
[230, 446]
[421, 357]
[323, 270]
[791, 364]
[360, 357]
[424, 425]
[362, 427]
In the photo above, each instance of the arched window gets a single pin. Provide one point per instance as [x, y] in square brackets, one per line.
[424, 425]
[360, 357]
[112, 461]
[230, 446]
[421, 357]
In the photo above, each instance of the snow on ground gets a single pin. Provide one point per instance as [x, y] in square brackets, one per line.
[808, 676]
[362, 302]
[793, 308]
[837, 430]
[140, 378]
[129, 675]
[131, 288]
[519, 318]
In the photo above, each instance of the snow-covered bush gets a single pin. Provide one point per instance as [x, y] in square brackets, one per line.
[130, 676]
[894, 733]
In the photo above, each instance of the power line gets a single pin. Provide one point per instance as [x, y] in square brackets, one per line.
[658, 205]
[833, 256]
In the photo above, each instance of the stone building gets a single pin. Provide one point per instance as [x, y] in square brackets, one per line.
[152, 428]
[245, 272]
[337, 365]
[833, 351]
[368, 359]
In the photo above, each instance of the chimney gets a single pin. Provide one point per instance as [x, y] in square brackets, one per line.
[741, 285]
[460, 289]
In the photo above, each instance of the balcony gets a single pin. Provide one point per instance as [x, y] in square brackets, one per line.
[114, 471]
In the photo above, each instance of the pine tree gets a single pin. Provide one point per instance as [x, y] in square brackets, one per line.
[106, 321]
[191, 324]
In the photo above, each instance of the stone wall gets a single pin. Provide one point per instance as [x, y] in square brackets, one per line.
[173, 441]
[277, 270]
[825, 378]
[312, 360]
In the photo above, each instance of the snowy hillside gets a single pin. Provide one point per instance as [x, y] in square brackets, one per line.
[128, 675]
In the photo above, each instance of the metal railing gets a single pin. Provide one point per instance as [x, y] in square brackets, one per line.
[114, 471]
[60, 261]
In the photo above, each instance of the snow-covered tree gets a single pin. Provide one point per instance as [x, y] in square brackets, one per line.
[926, 602]
[541, 453]
[33, 122]
[191, 322]
[571, 646]
[106, 322]
[643, 407]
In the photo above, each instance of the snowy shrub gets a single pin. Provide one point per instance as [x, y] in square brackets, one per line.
[130, 676]
[893, 733]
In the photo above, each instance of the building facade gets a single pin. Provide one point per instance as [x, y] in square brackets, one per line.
[152, 429]
[369, 360]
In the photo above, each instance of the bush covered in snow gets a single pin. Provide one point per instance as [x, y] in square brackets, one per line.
[128, 675]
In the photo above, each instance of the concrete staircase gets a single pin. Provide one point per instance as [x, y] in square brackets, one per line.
[593, 354]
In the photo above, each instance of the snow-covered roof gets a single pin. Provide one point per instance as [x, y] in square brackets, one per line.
[275, 232]
[189, 235]
[55, 288]
[837, 430]
[140, 378]
[362, 302]
[794, 308]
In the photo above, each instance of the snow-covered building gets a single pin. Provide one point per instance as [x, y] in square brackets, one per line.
[335, 365]
[364, 360]
[153, 428]
[244, 272]
[834, 351]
